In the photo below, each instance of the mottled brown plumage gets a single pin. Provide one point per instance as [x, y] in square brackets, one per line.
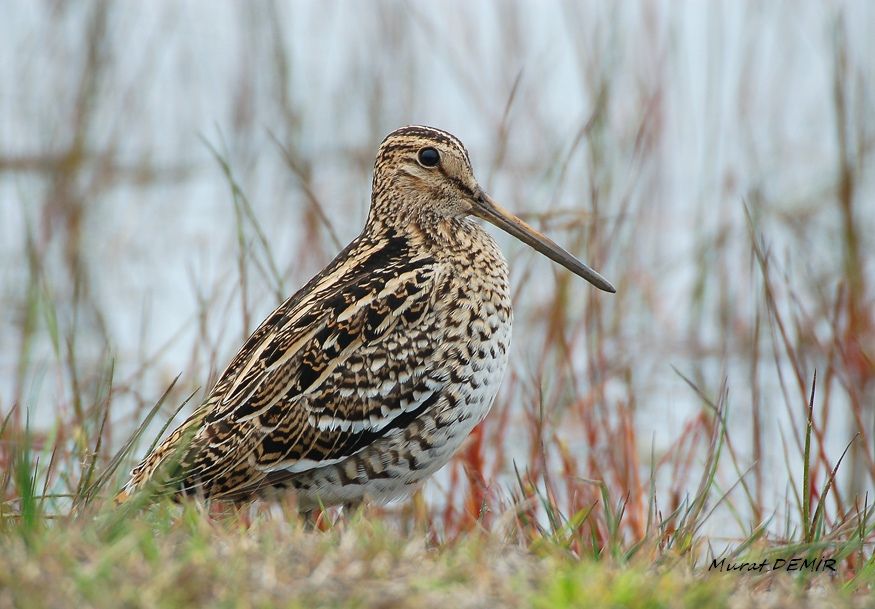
[367, 379]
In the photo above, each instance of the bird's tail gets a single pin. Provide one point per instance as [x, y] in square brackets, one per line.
[122, 496]
[162, 467]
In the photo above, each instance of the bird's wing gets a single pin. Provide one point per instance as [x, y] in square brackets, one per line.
[347, 359]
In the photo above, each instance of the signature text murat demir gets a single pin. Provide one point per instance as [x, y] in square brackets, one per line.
[791, 565]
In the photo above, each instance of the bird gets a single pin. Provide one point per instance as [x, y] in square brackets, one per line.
[369, 378]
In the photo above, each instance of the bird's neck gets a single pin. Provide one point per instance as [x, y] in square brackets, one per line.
[447, 238]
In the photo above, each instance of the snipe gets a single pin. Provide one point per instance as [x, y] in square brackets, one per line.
[368, 379]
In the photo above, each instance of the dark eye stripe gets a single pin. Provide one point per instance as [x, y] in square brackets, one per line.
[461, 186]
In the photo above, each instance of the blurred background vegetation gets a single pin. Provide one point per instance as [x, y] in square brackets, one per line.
[170, 171]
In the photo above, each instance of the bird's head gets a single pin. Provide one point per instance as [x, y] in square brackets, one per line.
[423, 172]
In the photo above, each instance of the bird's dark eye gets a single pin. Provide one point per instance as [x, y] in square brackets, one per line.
[429, 157]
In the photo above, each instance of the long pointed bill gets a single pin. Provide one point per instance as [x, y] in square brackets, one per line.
[493, 213]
